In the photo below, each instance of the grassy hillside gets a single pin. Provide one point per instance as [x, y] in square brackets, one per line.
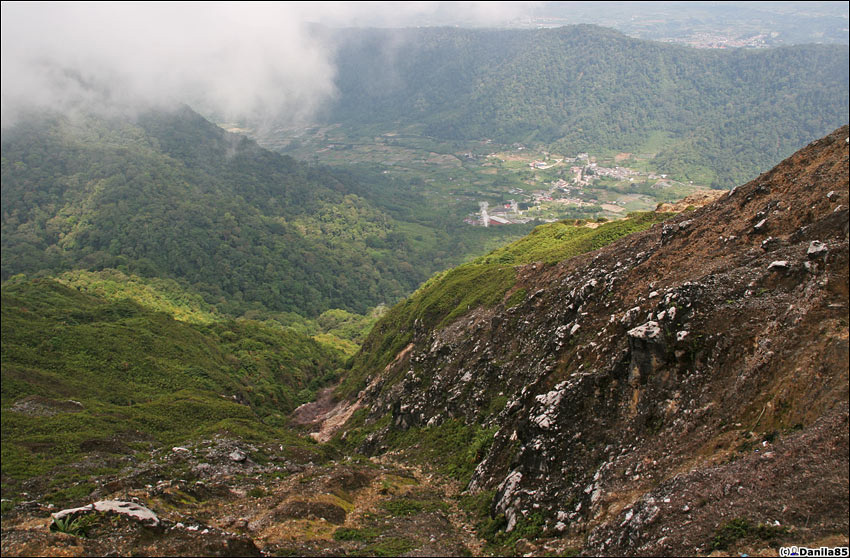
[81, 372]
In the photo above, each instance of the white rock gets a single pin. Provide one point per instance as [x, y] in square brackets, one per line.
[130, 509]
[543, 421]
[816, 249]
[596, 495]
[778, 264]
[510, 515]
[649, 330]
[508, 486]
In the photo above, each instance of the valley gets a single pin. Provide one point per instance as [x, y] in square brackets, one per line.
[455, 176]
[542, 290]
[538, 350]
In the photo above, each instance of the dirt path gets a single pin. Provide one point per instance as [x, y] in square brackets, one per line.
[449, 490]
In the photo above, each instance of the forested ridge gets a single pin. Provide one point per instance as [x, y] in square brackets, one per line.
[170, 194]
[730, 114]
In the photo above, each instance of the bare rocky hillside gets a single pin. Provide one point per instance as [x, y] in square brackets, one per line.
[676, 386]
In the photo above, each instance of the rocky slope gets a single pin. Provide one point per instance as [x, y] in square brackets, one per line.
[652, 397]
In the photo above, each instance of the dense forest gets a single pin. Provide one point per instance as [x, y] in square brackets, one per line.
[172, 195]
[586, 88]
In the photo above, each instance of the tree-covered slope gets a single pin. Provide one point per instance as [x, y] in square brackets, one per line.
[172, 195]
[586, 88]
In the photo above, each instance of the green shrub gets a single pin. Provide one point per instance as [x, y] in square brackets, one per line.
[740, 528]
[76, 525]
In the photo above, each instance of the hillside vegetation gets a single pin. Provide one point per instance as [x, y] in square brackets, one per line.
[173, 196]
[81, 373]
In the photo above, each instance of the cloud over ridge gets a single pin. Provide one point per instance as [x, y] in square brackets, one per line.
[228, 59]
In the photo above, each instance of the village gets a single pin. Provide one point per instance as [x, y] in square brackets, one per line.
[573, 186]
[483, 183]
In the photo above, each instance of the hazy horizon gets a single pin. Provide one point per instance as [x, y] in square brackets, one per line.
[255, 60]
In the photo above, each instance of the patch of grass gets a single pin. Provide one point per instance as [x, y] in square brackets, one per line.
[403, 507]
[492, 529]
[502, 543]
[729, 533]
[740, 528]
[517, 298]
[478, 505]
[392, 484]
[75, 492]
[76, 525]
[559, 241]
[470, 443]
[364, 534]
[496, 405]
[6, 506]
[392, 546]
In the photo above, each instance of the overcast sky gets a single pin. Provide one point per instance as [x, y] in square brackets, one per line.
[236, 58]
[233, 60]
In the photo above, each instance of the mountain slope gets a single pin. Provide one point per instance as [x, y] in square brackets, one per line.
[725, 114]
[655, 395]
[88, 383]
[171, 195]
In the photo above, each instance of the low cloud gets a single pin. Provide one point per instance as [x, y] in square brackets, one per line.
[230, 60]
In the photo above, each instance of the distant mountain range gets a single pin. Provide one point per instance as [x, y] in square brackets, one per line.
[587, 88]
